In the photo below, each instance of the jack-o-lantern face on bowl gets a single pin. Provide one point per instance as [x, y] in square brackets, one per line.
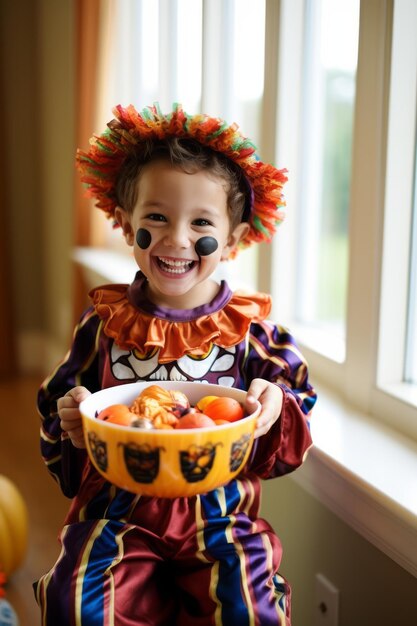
[167, 463]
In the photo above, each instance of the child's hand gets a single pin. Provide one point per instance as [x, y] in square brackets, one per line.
[270, 396]
[70, 415]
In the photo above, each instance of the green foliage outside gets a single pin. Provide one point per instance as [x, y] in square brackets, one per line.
[333, 253]
[333, 272]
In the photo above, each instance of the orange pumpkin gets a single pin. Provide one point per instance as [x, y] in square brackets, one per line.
[13, 526]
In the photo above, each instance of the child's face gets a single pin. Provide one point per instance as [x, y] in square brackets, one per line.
[173, 212]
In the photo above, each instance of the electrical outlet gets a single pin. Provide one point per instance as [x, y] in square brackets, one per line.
[326, 608]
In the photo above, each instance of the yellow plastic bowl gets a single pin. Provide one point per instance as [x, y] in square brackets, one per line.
[167, 463]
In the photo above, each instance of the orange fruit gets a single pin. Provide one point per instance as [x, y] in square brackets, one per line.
[117, 414]
[224, 408]
[204, 401]
[195, 420]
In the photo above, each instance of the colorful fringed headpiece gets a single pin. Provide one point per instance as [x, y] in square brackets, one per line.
[101, 165]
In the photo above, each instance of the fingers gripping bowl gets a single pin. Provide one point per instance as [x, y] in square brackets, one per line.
[167, 463]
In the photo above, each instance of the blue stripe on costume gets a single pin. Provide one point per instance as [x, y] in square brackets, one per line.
[229, 588]
[120, 505]
[105, 549]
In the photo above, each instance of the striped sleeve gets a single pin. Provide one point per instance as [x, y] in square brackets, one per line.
[274, 356]
[79, 367]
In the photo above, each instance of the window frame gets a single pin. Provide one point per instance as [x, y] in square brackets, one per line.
[360, 379]
[391, 392]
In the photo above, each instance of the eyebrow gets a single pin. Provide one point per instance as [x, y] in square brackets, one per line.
[155, 204]
[152, 203]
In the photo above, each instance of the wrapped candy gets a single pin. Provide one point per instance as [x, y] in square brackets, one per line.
[161, 406]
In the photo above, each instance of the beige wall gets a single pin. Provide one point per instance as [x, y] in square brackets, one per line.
[38, 88]
[374, 591]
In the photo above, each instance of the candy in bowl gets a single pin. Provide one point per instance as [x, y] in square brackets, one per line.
[176, 459]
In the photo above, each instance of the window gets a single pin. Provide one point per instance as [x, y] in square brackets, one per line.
[396, 392]
[317, 74]
[367, 350]
[324, 166]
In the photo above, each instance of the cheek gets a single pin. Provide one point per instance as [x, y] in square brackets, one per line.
[143, 238]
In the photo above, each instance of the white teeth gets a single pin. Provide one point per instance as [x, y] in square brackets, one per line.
[175, 266]
[174, 263]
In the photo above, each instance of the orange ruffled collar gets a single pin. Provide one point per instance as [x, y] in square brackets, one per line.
[225, 320]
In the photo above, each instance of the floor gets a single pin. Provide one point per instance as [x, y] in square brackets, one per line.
[20, 461]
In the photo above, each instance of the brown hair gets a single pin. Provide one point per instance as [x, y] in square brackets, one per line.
[191, 157]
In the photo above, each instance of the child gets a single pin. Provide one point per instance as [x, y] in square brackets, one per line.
[187, 192]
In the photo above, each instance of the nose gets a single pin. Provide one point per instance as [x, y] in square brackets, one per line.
[177, 236]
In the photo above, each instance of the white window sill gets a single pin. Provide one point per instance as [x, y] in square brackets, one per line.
[359, 468]
[102, 266]
[365, 473]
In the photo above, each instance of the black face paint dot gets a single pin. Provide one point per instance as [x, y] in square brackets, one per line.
[143, 238]
[206, 246]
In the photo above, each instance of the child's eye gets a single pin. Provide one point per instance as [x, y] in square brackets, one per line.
[156, 217]
[202, 222]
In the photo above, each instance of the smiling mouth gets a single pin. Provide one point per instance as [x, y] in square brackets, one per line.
[175, 266]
